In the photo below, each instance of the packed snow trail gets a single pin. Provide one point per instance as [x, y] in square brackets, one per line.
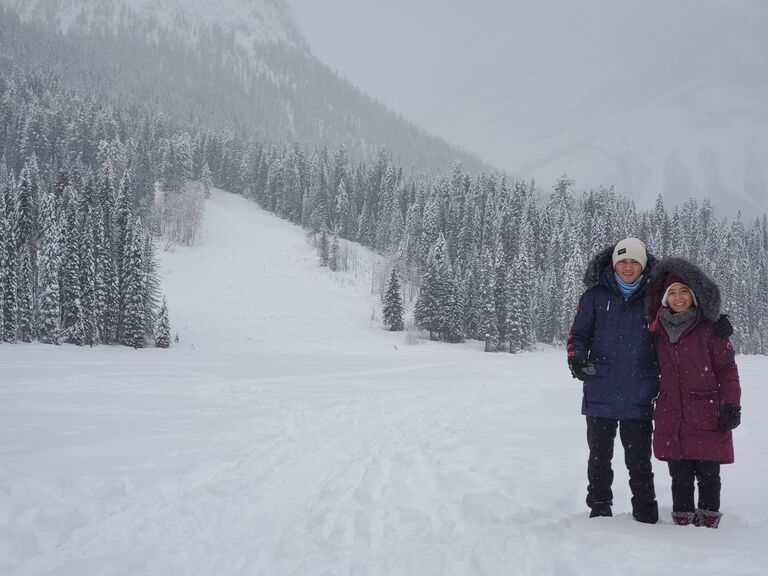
[319, 444]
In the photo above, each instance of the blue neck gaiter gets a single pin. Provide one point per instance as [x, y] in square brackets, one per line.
[628, 289]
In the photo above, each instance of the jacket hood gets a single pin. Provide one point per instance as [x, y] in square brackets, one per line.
[594, 273]
[707, 292]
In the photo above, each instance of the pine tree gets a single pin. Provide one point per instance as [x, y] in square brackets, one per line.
[500, 292]
[88, 280]
[572, 289]
[293, 191]
[393, 305]
[520, 311]
[104, 192]
[435, 294]
[27, 199]
[25, 296]
[163, 328]
[132, 321]
[430, 227]
[75, 332]
[5, 237]
[106, 307]
[455, 326]
[72, 329]
[471, 303]
[343, 211]
[151, 286]
[333, 257]
[323, 250]
[143, 180]
[207, 180]
[123, 215]
[49, 260]
[10, 302]
[486, 305]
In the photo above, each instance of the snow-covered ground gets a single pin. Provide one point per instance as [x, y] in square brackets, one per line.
[287, 434]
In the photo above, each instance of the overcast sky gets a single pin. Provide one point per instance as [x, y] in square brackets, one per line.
[520, 81]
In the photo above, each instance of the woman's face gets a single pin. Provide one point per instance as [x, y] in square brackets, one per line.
[679, 298]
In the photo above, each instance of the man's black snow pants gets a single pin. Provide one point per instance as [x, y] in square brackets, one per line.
[636, 438]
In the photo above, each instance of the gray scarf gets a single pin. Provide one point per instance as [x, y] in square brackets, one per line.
[676, 324]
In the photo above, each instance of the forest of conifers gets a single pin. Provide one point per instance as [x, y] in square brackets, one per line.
[90, 180]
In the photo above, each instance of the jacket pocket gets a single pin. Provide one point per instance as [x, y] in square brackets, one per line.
[702, 409]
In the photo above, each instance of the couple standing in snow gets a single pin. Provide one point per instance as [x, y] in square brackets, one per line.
[639, 319]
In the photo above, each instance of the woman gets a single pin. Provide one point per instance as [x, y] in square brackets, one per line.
[699, 395]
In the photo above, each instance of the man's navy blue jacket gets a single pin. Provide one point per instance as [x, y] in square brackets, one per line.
[612, 333]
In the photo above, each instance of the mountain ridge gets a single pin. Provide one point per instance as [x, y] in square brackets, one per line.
[255, 72]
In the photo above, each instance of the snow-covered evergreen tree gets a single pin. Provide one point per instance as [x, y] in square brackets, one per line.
[393, 304]
[486, 304]
[27, 201]
[123, 215]
[323, 249]
[455, 326]
[207, 179]
[106, 306]
[163, 328]
[333, 256]
[4, 239]
[49, 260]
[25, 291]
[343, 210]
[520, 312]
[132, 321]
[435, 297]
[88, 280]
[10, 302]
[151, 286]
[72, 328]
[500, 292]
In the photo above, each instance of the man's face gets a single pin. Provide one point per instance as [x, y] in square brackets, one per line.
[628, 270]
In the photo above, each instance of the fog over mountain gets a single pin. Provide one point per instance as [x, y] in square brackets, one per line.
[237, 63]
[654, 96]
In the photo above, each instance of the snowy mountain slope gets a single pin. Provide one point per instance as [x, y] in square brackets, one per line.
[234, 64]
[257, 284]
[251, 21]
[269, 441]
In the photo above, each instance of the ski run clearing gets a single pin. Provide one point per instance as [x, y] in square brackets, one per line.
[287, 433]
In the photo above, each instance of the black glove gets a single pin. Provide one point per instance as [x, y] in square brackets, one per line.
[723, 327]
[730, 417]
[580, 368]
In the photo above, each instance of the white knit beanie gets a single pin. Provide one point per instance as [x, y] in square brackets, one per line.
[630, 249]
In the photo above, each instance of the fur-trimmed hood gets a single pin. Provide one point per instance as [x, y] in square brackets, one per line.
[707, 292]
[594, 274]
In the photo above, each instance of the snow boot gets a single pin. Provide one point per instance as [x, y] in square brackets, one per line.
[600, 509]
[683, 518]
[647, 514]
[707, 518]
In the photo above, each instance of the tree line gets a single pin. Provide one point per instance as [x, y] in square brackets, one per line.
[78, 262]
[498, 260]
[494, 259]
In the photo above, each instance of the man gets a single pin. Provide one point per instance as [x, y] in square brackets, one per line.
[611, 350]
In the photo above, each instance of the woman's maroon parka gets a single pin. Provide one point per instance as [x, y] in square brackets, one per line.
[698, 374]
